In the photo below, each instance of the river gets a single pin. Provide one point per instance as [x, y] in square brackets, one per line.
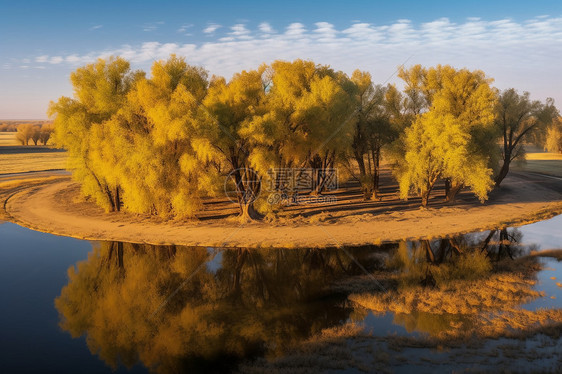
[70, 305]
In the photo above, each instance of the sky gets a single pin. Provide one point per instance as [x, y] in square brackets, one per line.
[518, 43]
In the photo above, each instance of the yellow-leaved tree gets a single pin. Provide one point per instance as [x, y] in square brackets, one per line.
[306, 123]
[160, 173]
[453, 139]
[228, 108]
[100, 91]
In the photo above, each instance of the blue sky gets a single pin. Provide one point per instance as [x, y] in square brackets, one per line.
[519, 43]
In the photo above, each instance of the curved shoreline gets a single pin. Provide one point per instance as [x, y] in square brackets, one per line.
[42, 208]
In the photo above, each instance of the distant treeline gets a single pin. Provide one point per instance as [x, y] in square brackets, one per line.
[12, 126]
[27, 133]
[156, 144]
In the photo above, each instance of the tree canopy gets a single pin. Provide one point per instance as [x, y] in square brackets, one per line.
[160, 143]
[445, 141]
[517, 119]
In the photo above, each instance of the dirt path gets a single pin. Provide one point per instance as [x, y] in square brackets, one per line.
[52, 208]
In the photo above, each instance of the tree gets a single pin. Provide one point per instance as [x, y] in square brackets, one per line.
[517, 117]
[229, 108]
[45, 133]
[36, 134]
[307, 121]
[100, 90]
[554, 137]
[376, 125]
[447, 141]
[154, 133]
[24, 133]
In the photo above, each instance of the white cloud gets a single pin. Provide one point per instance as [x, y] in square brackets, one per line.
[239, 31]
[325, 30]
[152, 26]
[295, 30]
[520, 54]
[56, 60]
[74, 59]
[265, 28]
[183, 28]
[95, 27]
[211, 28]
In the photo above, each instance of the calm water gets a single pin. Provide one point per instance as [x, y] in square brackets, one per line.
[76, 306]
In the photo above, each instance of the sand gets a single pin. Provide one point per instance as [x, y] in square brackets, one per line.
[54, 207]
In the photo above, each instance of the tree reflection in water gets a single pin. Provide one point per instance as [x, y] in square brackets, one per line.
[444, 285]
[177, 309]
[240, 303]
[497, 244]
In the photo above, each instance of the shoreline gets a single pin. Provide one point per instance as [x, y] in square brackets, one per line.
[524, 199]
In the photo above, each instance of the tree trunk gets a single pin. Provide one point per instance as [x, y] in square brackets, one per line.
[425, 198]
[110, 198]
[503, 171]
[249, 213]
[365, 185]
[247, 191]
[360, 163]
[376, 172]
[447, 187]
[117, 202]
[367, 191]
[452, 192]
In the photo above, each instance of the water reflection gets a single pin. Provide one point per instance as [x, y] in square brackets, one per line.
[497, 244]
[177, 309]
[458, 287]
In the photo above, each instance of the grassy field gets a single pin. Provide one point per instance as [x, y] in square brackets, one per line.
[8, 138]
[542, 162]
[15, 158]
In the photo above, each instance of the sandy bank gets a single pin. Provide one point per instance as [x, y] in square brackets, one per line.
[53, 208]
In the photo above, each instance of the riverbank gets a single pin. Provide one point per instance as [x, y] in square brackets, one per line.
[55, 207]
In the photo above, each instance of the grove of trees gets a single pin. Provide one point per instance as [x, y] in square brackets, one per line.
[158, 144]
[27, 132]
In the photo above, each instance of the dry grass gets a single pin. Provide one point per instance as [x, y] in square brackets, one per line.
[460, 297]
[458, 319]
[467, 285]
[8, 138]
[553, 253]
[543, 156]
[26, 160]
[350, 348]
[325, 352]
[464, 309]
[541, 162]
[15, 158]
